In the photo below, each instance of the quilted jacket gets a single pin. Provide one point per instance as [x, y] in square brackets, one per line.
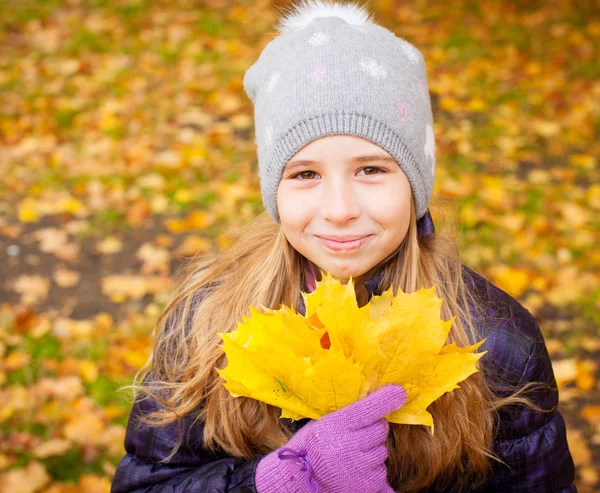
[532, 444]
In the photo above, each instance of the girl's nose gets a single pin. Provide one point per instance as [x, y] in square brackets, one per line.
[339, 203]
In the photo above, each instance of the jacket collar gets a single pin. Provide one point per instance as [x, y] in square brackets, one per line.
[424, 227]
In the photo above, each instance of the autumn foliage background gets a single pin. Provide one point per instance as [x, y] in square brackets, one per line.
[127, 146]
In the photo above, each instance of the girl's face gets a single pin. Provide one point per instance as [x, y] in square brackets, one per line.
[344, 203]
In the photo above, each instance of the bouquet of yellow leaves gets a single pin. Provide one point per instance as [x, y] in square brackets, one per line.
[310, 365]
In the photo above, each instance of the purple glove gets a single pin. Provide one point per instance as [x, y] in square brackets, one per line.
[342, 452]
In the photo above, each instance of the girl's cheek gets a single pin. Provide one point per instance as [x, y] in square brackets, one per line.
[293, 206]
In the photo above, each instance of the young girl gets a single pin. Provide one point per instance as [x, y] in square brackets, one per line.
[346, 157]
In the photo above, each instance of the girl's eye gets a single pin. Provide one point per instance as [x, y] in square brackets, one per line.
[304, 175]
[368, 170]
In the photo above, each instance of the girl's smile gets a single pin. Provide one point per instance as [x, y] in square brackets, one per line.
[344, 245]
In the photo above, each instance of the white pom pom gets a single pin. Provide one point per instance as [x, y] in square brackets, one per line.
[306, 10]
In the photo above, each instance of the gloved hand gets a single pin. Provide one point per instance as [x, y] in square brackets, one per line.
[342, 452]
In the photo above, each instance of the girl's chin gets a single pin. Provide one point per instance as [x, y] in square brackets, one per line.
[343, 275]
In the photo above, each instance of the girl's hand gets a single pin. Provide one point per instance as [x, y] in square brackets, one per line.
[342, 452]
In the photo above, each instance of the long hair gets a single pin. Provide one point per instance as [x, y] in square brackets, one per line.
[262, 268]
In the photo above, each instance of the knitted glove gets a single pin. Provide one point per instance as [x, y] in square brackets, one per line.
[342, 452]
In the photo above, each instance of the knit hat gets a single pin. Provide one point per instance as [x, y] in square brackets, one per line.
[333, 71]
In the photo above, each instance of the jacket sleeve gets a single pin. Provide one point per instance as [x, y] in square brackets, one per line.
[531, 443]
[192, 469]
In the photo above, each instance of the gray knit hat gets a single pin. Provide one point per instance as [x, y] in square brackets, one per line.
[332, 70]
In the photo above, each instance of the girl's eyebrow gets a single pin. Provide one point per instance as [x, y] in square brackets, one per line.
[358, 159]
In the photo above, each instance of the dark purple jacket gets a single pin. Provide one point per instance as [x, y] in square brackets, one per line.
[532, 444]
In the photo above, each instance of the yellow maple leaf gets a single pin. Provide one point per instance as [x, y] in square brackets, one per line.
[313, 364]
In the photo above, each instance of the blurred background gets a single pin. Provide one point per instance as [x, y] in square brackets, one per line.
[127, 146]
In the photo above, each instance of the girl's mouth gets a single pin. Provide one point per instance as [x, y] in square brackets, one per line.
[344, 246]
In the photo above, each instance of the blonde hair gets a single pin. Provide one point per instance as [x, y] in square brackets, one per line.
[262, 268]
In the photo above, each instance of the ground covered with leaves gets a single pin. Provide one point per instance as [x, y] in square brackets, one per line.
[126, 147]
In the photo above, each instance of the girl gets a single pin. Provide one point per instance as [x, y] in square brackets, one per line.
[347, 163]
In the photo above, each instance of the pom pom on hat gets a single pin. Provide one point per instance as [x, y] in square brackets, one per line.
[307, 10]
